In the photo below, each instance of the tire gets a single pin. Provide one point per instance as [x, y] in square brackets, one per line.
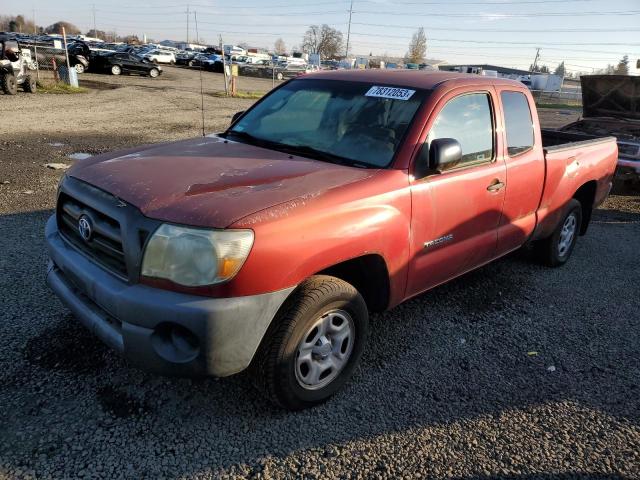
[29, 84]
[79, 68]
[279, 76]
[325, 321]
[190, 63]
[116, 70]
[9, 84]
[172, 62]
[556, 250]
[154, 72]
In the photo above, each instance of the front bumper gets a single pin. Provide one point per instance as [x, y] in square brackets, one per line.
[628, 167]
[161, 331]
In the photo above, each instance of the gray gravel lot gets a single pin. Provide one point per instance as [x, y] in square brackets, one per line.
[449, 386]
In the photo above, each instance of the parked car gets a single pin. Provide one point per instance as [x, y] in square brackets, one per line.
[336, 195]
[160, 56]
[16, 67]
[609, 107]
[183, 58]
[117, 63]
[198, 60]
[213, 63]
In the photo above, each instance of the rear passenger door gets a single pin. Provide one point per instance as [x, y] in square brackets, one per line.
[455, 214]
[524, 159]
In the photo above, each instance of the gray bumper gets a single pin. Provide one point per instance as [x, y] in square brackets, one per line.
[162, 331]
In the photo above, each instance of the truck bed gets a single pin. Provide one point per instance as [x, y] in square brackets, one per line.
[557, 140]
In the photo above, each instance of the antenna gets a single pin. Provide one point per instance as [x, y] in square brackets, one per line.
[195, 18]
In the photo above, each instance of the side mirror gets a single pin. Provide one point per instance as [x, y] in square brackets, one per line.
[444, 153]
[236, 116]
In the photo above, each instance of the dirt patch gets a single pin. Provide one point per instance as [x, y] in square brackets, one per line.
[120, 403]
[68, 347]
[97, 85]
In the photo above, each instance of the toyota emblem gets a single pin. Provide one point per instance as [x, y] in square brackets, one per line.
[84, 228]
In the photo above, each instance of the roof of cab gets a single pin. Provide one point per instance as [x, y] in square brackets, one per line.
[409, 78]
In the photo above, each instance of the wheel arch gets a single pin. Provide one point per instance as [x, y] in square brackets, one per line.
[586, 195]
[369, 275]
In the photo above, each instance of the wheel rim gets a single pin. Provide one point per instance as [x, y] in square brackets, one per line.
[115, 70]
[325, 350]
[153, 73]
[567, 234]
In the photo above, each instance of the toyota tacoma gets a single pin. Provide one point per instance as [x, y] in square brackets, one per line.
[266, 247]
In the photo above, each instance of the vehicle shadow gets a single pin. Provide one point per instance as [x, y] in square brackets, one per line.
[480, 346]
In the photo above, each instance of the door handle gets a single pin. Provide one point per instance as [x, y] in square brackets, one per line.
[495, 185]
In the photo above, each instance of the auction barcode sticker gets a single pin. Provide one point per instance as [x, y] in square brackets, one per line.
[390, 92]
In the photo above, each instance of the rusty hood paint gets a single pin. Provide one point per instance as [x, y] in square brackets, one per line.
[209, 182]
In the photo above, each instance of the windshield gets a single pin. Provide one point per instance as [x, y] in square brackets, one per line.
[344, 122]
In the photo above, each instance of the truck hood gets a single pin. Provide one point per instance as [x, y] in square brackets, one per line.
[611, 96]
[210, 182]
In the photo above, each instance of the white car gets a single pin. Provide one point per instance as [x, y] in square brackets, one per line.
[161, 56]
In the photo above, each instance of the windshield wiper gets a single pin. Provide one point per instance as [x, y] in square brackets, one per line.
[316, 154]
[302, 150]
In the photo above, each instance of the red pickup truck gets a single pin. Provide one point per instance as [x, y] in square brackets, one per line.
[336, 195]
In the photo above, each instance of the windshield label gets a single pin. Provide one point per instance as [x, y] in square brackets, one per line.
[390, 92]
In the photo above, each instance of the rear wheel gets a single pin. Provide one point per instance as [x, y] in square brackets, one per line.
[9, 84]
[313, 345]
[154, 72]
[79, 68]
[556, 250]
[29, 84]
[191, 63]
[279, 76]
[116, 70]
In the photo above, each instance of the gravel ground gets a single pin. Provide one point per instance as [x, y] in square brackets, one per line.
[447, 387]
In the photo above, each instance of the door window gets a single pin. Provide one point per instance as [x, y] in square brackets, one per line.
[519, 126]
[468, 120]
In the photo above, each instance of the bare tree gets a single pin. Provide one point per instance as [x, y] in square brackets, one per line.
[323, 40]
[279, 47]
[417, 47]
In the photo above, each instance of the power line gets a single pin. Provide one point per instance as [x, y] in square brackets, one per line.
[501, 30]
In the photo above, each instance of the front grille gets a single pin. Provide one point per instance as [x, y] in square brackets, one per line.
[105, 245]
[629, 150]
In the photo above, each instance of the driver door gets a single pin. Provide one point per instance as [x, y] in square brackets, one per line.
[456, 213]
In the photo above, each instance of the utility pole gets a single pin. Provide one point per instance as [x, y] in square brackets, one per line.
[35, 47]
[224, 68]
[188, 25]
[95, 32]
[535, 60]
[346, 53]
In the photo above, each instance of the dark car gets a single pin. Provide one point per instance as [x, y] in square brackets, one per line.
[122, 62]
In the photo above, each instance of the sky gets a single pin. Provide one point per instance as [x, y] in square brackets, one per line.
[586, 34]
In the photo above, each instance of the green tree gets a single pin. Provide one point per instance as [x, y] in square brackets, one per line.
[417, 47]
[623, 66]
[560, 69]
[70, 28]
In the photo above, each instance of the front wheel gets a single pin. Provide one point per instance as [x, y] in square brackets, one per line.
[116, 70]
[154, 72]
[79, 68]
[313, 345]
[9, 84]
[556, 250]
[279, 76]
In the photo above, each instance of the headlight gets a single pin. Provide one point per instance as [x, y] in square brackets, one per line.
[196, 257]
